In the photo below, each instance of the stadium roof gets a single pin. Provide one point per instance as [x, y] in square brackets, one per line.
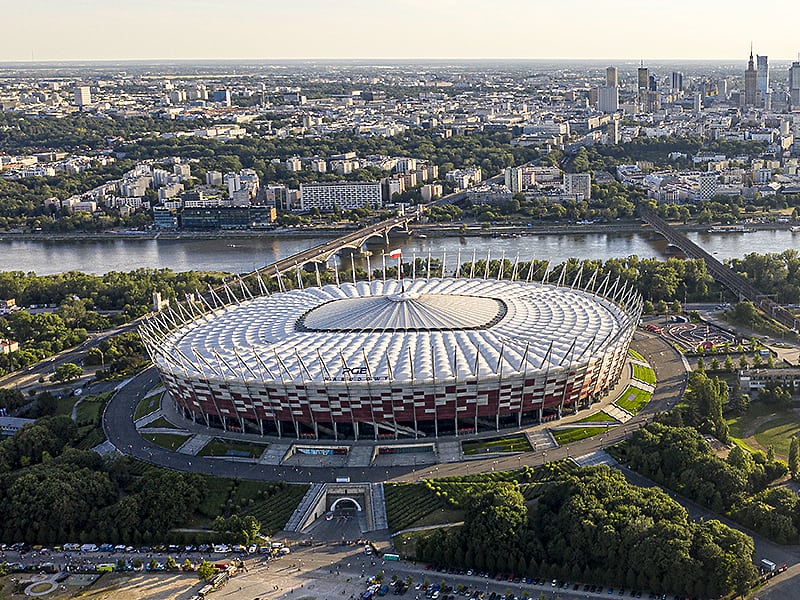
[431, 329]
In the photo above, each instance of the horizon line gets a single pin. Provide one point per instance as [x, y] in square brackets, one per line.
[377, 58]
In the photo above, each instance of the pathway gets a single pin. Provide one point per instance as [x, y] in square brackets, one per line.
[194, 444]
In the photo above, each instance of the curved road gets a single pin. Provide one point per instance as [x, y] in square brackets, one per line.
[31, 374]
[121, 432]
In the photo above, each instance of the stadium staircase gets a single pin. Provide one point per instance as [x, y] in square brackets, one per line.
[379, 518]
[306, 506]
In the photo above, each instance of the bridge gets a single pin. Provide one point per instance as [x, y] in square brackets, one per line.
[724, 275]
[321, 253]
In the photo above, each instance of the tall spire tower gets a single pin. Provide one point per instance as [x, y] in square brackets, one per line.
[750, 81]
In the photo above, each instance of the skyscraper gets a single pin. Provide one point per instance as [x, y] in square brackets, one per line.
[750, 82]
[513, 176]
[83, 95]
[608, 99]
[794, 86]
[612, 77]
[677, 80]
[762, 75]
[643, 77]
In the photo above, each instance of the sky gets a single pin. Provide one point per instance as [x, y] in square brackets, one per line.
[279, 29]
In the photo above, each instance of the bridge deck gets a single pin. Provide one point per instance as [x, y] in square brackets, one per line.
[727, 277]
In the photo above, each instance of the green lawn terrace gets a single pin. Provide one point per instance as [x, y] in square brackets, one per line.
[511, 444]
[233, 448]
[633, 399]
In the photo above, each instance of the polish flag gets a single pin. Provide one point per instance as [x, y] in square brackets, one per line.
[396, 253]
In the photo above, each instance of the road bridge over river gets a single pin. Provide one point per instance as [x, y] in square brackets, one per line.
[724, 275]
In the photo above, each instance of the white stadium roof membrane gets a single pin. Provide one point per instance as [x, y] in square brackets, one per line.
[420, 329]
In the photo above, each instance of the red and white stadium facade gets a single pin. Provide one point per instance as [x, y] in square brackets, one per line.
[394, 359]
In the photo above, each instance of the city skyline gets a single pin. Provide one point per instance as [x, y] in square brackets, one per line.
[406, 29]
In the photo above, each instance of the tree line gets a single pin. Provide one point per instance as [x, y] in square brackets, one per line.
[591, 525]
[739, 486]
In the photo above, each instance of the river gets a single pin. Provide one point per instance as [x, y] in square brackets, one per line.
[238, 254]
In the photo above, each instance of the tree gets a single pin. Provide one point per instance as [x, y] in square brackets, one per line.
[67, 372]
[794, 457]
[205, 570]
[250, 530]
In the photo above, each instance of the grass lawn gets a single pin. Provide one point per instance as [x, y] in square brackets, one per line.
[742, 426]
[643, 373]
[272, 503]
[64, 405]
[409, 504]
[598, 417]
[636, 355]
[633, 399]
[91, 407]
[162, 423]
[146, 406]
[170, 441]
[567, 436]
[778, 432]
[222, 447]
[512, 443]
[742, 444]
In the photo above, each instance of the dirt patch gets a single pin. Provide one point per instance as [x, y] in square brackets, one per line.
[140, 586]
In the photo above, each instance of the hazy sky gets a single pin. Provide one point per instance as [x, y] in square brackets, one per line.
[225, 29]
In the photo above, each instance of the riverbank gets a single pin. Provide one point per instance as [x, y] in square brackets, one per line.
[456, 229]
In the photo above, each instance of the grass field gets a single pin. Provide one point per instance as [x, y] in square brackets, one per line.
[741, 425]
[160, 422]
[89, 413]
[170, 441]
[633, 399]
[512, 443]
[270, 502]
[634, 354]
[146, 406]
[222, 447]
[778, 432]
[415, 505]
[567, 436]
[598, 417]
[643, 373]
[64, 405]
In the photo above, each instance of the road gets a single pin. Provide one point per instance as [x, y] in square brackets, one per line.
[29, 376]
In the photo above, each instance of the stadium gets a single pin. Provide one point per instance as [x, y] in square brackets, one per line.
[392, 359]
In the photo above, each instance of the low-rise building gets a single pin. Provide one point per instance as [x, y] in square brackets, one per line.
[11, 425]
[8, 346]
[756, 379]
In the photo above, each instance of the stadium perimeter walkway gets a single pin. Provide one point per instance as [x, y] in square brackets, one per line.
[279, 448]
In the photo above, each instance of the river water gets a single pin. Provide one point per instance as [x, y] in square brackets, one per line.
[246, 254]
